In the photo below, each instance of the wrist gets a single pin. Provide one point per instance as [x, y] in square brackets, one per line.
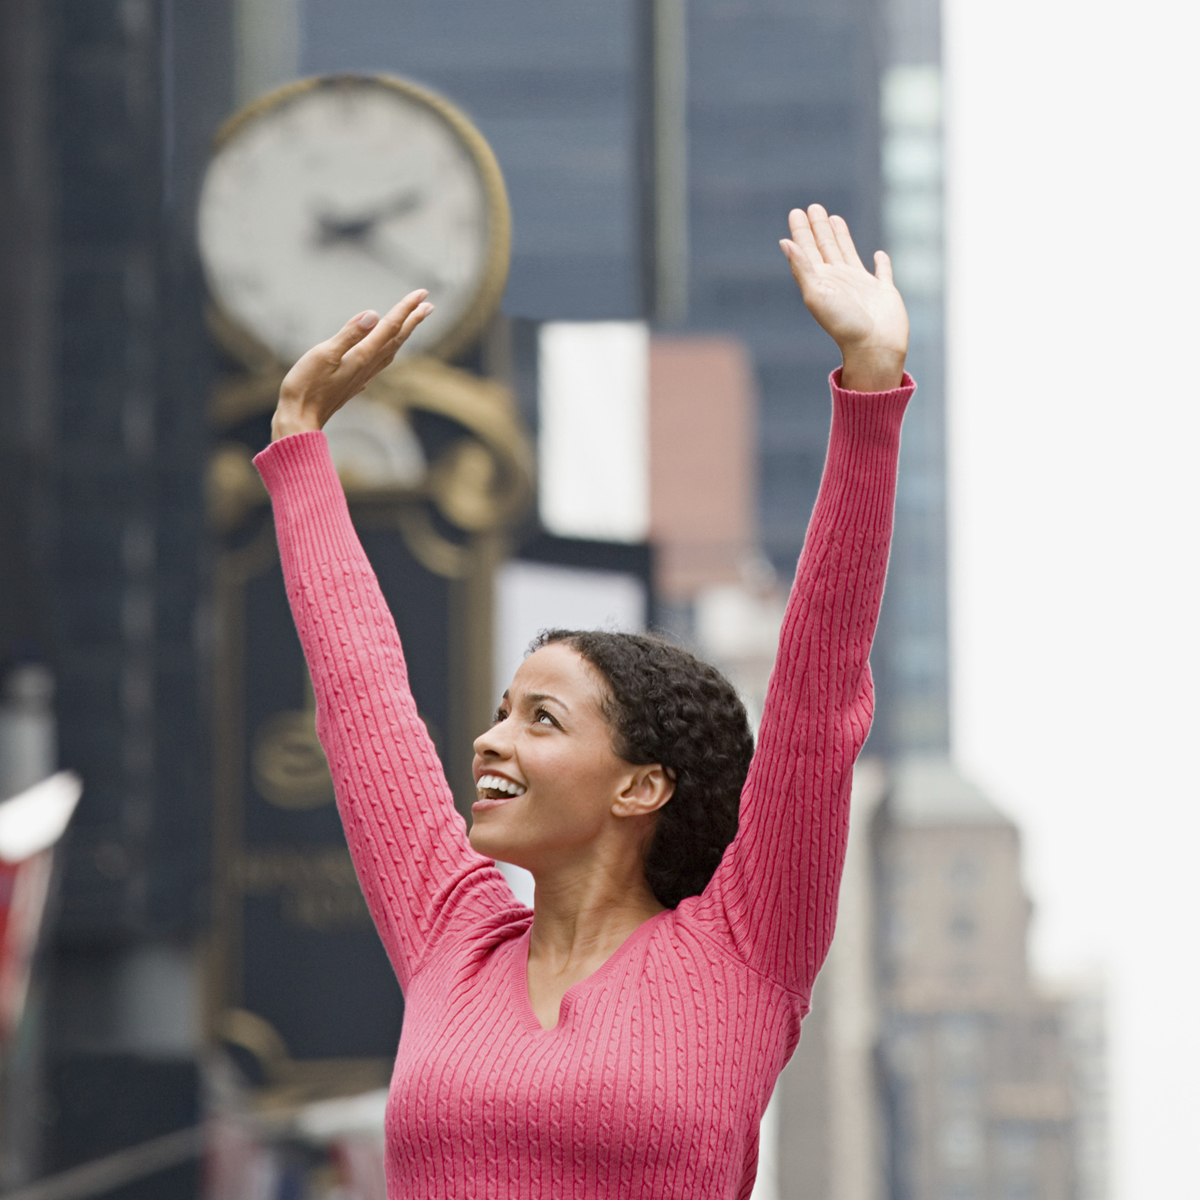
[872, 369]
[288, 420]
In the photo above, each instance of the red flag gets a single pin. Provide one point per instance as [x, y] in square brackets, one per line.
[23, 890]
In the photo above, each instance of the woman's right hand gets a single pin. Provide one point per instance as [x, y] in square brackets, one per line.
[337, 369]
[862, 312]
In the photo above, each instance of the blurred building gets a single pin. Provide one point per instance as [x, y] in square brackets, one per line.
[105, 110]
[782, 110]
[992, 1088]
[1085, 1022]
[557, 88]
[704, 519]
[976, 1060]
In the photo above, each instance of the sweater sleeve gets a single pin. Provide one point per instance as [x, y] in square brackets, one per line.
[774, 895]
[420, 877]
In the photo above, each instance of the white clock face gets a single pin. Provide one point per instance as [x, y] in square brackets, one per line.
[338, 199]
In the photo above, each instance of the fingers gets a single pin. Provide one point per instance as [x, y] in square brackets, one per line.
[411, 322]
[841, 233]
[822, 238]
[389, 334]
[823, 235]
[883, 267]
[392, 347]
[802, 237]
[803, 271]
[390, 326]
[352, 332]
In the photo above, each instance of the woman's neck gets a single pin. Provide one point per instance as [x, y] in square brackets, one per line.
[582, 915]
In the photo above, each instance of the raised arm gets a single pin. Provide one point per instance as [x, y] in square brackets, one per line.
[775, 893]
[417, 871]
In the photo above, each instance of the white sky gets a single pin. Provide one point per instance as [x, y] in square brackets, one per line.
[1075, 390]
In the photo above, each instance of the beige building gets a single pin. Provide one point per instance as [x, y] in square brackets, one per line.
[932, 1066]
[976, 1069]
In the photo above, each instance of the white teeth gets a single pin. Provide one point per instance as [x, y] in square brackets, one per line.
[497, 783]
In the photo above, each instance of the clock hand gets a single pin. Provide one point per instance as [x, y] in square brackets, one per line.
[353, 229]
[401, 205]
[396, 260]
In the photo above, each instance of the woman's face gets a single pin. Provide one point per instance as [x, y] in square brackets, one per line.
[546, 772]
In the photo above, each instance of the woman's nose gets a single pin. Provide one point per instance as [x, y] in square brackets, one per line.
[492, 742]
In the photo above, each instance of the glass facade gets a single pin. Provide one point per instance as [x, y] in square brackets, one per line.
[783, 111]
[555, 88]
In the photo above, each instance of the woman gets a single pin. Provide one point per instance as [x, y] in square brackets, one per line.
[623, 1038]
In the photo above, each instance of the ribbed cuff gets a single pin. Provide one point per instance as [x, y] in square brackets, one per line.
[904, 391]
[310, 505]
[868, 418]
[296, 458]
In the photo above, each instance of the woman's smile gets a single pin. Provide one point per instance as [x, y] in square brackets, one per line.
[495, 790]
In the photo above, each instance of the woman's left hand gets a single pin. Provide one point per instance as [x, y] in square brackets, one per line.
[339, 368]
[862, 312]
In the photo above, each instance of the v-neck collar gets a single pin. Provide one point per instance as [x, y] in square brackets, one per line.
[519, 975]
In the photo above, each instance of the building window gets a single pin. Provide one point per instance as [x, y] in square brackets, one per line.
[960, 1040]
[960, 1144]
[965, 872]
[962, 926]
[1017, 1159]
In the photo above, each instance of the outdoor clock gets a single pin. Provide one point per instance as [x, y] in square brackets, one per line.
[342, 193]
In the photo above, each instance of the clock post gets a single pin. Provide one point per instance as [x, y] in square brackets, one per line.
[437, 469]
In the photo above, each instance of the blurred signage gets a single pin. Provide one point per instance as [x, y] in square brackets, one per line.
[302, 985]
[295, 927]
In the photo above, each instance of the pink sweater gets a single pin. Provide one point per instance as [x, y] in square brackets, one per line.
[655, 1078]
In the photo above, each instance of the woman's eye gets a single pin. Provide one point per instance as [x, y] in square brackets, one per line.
[498, 716]
[542, 717]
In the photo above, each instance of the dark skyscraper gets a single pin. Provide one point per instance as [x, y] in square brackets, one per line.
[106, 109]
[555, 88]
[782, 111]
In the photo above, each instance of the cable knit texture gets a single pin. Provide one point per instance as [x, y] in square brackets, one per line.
[655, 1078]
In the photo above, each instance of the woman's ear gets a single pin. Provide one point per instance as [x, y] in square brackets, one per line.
[648, 789]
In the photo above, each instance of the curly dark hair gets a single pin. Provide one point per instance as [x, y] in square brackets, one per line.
[667, 706]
